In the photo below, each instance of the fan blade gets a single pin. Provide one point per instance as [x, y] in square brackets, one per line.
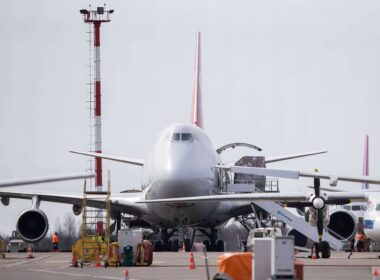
[317, 185]
[297, 204]
[338, 201]
[320, 223]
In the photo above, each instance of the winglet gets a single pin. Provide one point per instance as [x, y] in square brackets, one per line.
[196, 114]
[365, 162]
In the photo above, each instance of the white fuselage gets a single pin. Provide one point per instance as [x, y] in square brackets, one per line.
[181, 164]
[372, 219]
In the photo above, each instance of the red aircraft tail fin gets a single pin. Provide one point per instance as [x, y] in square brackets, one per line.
[365, 162]
[196, 114]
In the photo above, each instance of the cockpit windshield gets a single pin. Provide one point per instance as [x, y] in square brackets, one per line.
[181, 137]
[176, 137]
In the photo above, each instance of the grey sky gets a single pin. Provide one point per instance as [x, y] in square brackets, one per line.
[288, 76]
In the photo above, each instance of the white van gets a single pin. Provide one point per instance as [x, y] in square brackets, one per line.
[16, 244]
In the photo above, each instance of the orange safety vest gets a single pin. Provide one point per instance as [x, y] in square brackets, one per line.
[55, 238]
[360, 236]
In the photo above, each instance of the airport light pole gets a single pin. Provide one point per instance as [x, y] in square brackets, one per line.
[96, 18]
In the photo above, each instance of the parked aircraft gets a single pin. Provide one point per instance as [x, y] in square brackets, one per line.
[182, 170]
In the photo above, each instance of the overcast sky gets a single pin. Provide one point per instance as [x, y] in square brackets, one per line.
[287, 76]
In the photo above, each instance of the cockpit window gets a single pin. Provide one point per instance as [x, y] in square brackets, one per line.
[176, 137]
[186, 137]
[378, 207]
[181, 137]
[356, 208]
[347, 207]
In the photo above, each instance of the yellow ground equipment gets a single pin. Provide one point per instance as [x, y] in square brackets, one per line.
[94, 248]
[2, 248]
[94, 245]
[114, 255]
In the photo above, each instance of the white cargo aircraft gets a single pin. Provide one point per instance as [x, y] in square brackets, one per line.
[184, 174]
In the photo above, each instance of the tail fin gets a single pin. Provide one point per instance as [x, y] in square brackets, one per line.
[365, 162]
[196, 114]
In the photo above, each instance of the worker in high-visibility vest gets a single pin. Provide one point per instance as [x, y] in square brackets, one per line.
[55, 241]
[360, 238]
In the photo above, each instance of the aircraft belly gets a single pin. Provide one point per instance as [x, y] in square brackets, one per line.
[187, 215]
[175, 214]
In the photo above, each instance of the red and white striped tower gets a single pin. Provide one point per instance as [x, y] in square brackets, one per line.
[97, 17]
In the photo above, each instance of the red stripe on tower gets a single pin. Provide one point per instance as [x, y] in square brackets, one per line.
[98, 112]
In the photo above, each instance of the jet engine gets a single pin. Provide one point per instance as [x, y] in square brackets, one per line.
[77, 209]
[300, 240]
[32, 224]
[342, 224]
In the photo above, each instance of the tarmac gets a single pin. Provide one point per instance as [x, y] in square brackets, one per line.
[168, 265]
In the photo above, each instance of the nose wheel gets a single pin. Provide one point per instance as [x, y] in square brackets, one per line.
[321, 249]
[324, 248]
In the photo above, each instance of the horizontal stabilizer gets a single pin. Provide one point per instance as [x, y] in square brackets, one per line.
[133, 161]
[45, 179]
[286, 157]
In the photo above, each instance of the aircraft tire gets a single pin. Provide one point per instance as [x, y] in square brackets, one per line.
[207, 244]
[220, 246]
[175, 247]
[187, 245]
[169, 246]
[324, 248]
[158, 246]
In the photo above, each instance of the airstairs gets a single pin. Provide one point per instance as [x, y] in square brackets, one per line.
[243, 183]
[298, 223]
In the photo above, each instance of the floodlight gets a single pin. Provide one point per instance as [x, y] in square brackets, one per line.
[100, 10]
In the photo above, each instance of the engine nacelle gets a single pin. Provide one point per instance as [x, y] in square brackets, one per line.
[312, 216]
[300, 240]
[32, 225]
[5, 200]
[342, 224]
[77, 209]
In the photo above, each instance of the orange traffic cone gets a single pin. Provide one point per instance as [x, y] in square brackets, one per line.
[126, 274]
[375, 274]
[192, 262]
[314, 251]
[97, 261]
[30, 253]
[74, 262]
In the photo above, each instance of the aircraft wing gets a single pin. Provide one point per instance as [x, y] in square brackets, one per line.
[133, 161]
[293, 174]
[276, 197]
[286, 157]
[44, 179]
[123, 202]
